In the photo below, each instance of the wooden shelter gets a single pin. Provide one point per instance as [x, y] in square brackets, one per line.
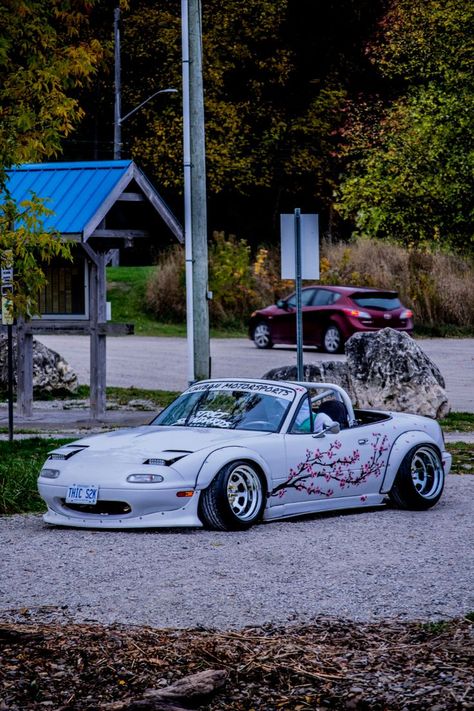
[102, 206]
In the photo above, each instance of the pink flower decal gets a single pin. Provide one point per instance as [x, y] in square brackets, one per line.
[329, 467]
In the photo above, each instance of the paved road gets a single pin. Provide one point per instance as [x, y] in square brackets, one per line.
[161, 363]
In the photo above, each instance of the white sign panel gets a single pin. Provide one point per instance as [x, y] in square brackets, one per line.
[309, 246]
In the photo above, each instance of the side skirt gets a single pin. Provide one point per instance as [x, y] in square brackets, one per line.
[322, 505]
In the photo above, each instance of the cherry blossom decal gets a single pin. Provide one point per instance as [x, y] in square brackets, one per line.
[333, 470]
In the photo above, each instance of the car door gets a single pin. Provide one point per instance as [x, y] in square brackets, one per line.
[284, 322]
[315, 316]
[328, 467]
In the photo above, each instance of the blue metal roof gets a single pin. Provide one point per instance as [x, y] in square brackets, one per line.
[74, 191]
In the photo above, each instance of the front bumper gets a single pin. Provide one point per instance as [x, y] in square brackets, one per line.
[156, 508]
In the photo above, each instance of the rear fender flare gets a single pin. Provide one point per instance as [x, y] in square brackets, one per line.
[400, 448]
[220, 457]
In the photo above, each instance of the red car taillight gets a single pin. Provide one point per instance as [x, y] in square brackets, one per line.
[355, 313]
[406, 314]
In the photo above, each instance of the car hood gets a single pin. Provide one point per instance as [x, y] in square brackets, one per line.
[154, 441]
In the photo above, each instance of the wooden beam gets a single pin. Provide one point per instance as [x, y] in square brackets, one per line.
[131, 197]
[120, 234]
[63, 327]
[24, 373]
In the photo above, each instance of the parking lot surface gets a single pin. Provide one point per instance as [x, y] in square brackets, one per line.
[162, 363]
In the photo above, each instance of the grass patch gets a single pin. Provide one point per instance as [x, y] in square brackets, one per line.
[20, 462]
[463, 457]
[126, 288]
[458, 422]
[122, 396]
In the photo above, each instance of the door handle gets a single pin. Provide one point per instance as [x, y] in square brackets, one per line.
[362, 441]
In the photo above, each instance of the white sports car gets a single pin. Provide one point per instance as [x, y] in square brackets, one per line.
[229, 453]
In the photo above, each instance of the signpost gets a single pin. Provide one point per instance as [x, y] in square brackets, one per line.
[7, 320]
[299, 260]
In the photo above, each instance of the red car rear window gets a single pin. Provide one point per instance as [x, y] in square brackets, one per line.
[378, 302]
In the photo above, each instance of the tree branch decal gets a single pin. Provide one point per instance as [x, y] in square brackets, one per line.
[331, 468]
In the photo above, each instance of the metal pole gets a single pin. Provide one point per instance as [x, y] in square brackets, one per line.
[118, 89]
[10, 381]
[298, 284]
[192, 58]
[188, 234]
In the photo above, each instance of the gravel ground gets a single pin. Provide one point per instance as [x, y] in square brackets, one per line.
[360, 566]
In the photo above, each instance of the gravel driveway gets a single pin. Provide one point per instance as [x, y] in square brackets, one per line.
[360, 566]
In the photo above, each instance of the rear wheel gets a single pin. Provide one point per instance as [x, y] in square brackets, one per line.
[332, 340]
[262, 336]
[235, 499]
[420, 479]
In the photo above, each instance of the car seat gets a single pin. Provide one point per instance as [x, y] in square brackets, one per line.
[336, 410]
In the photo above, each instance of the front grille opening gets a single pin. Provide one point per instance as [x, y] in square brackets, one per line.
[101, 508]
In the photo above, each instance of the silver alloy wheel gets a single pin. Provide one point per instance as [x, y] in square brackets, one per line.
[261, 335]
[427, 472]
[332, 339]
[244, 492]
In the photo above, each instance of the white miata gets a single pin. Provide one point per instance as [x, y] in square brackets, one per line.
[229, 453]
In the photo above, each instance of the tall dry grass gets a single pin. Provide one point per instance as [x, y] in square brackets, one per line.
[439, 288]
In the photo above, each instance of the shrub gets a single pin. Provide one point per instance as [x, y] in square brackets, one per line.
[239, 283]
[438, 287]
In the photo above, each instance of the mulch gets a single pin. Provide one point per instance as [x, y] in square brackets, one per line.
[331, 664]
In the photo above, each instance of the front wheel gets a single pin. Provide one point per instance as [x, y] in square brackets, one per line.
[262, 336]
[420, 479]
[332, 339]
[235, 498]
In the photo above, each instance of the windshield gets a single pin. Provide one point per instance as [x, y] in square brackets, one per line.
[226, 407]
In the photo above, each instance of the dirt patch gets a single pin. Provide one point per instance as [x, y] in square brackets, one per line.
[330, 664]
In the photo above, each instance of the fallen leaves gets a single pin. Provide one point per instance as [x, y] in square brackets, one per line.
[330, 664]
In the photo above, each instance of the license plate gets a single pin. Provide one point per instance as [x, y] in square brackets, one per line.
[82, 494]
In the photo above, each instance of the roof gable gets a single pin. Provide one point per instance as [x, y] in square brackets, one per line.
[80, 194]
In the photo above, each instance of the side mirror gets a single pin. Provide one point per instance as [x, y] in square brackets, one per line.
[333, 428]
[281, 303]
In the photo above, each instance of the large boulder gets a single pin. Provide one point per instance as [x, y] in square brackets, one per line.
[389, 370]
[51, 373]
[384, 370]
[323, 371]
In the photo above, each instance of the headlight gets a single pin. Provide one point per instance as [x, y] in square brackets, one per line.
[144, 478]
[49, 473]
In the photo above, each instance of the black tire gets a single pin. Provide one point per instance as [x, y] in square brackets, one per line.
[235, 498]
[262, 336]
[333, 341]
[420, 479]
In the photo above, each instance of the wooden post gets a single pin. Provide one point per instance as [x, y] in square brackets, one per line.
[24, 369]
[97, 306]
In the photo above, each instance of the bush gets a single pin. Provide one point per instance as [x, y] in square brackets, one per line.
[438, 287]
[238, 283]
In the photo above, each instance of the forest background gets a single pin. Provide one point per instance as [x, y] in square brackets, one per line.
[359, 110]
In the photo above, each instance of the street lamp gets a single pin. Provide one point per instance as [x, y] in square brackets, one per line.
[118, 119]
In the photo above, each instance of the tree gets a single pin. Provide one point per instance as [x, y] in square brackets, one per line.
[411, 158]
[45, 55]
[276, 76]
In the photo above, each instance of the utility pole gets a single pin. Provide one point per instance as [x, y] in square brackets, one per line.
[118, 89]
[195, 212]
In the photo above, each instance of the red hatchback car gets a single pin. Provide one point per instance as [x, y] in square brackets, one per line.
[331, 314]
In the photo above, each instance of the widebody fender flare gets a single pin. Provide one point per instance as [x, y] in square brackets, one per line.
[400, 448]
[220, 457]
